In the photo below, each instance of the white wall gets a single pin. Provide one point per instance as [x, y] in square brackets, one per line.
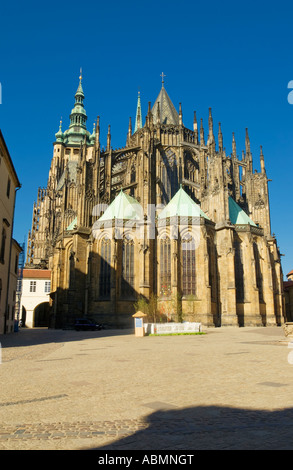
[30, 300]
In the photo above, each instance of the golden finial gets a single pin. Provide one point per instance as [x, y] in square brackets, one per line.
[80, 77]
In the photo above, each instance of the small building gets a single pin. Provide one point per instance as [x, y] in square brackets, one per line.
[36, 287]
[9, 248]
[12, 287]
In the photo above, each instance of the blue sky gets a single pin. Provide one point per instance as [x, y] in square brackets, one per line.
[235, 57]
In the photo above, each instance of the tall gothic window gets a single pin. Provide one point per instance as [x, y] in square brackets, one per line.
[212, 269]
[188, 266]
[239, 273]
[170, 176]
[259, 281]
[165, 267]
[127, 278]
[105, 269]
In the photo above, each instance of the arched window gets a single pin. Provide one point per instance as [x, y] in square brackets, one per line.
[239, 273]
[212, 269]
[188, 266]
[105, 269]
[165, 267]
[170, 176]
[127, 275]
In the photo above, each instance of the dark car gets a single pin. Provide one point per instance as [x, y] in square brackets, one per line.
[86, 324]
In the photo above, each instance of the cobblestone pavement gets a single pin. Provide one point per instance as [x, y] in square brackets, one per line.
[229, 389]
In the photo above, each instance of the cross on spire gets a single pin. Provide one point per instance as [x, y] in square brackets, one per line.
[162, 75]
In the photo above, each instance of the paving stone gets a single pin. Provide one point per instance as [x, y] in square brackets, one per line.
[228, 397]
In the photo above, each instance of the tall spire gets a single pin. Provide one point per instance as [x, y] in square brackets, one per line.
[195, 129]
[220, 138]
[138, 119]
[78, 115]
[234, 153]
[211, 138]
[247, 142]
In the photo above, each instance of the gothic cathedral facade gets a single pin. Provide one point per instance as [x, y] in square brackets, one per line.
[168, 216]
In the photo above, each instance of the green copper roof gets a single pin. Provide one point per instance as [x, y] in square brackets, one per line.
[72, 225]
[237, 215]
[123, 207]
[168, 113]
[181, 205]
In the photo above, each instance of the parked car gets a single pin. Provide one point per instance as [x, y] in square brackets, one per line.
[86, 324]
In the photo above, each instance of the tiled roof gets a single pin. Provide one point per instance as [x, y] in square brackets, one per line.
[37, 273]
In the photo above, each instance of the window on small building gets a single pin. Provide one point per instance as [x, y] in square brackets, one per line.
[33, 286]
[47, 286]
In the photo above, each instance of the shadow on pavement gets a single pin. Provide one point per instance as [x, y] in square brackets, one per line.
[211, 428]
[34, 336]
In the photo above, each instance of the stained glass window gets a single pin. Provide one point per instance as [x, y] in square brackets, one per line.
[239, 274]
[165, 267]
[188, 266]
[127, 277]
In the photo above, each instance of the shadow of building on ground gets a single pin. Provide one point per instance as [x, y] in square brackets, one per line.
[210, 428]
[34, 336]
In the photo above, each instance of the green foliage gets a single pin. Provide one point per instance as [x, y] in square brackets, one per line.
[150, 308]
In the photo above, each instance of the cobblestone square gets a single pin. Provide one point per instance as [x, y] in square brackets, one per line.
[65, 390]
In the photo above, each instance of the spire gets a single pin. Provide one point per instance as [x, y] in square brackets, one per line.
[211, 138]
[180, 114]
[129, 134]
[158, 113]
[97, 139]
[202, 142]
[220, 138]
[168, 113]
[109, 138]
[262, 161]
[195, 129]
[93, 135]
[79, 91]
[247, 142]
[138, 120]
[78, 115]
[233, 145]
[59, 135]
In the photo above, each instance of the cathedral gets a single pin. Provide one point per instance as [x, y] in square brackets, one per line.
[168, 219]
